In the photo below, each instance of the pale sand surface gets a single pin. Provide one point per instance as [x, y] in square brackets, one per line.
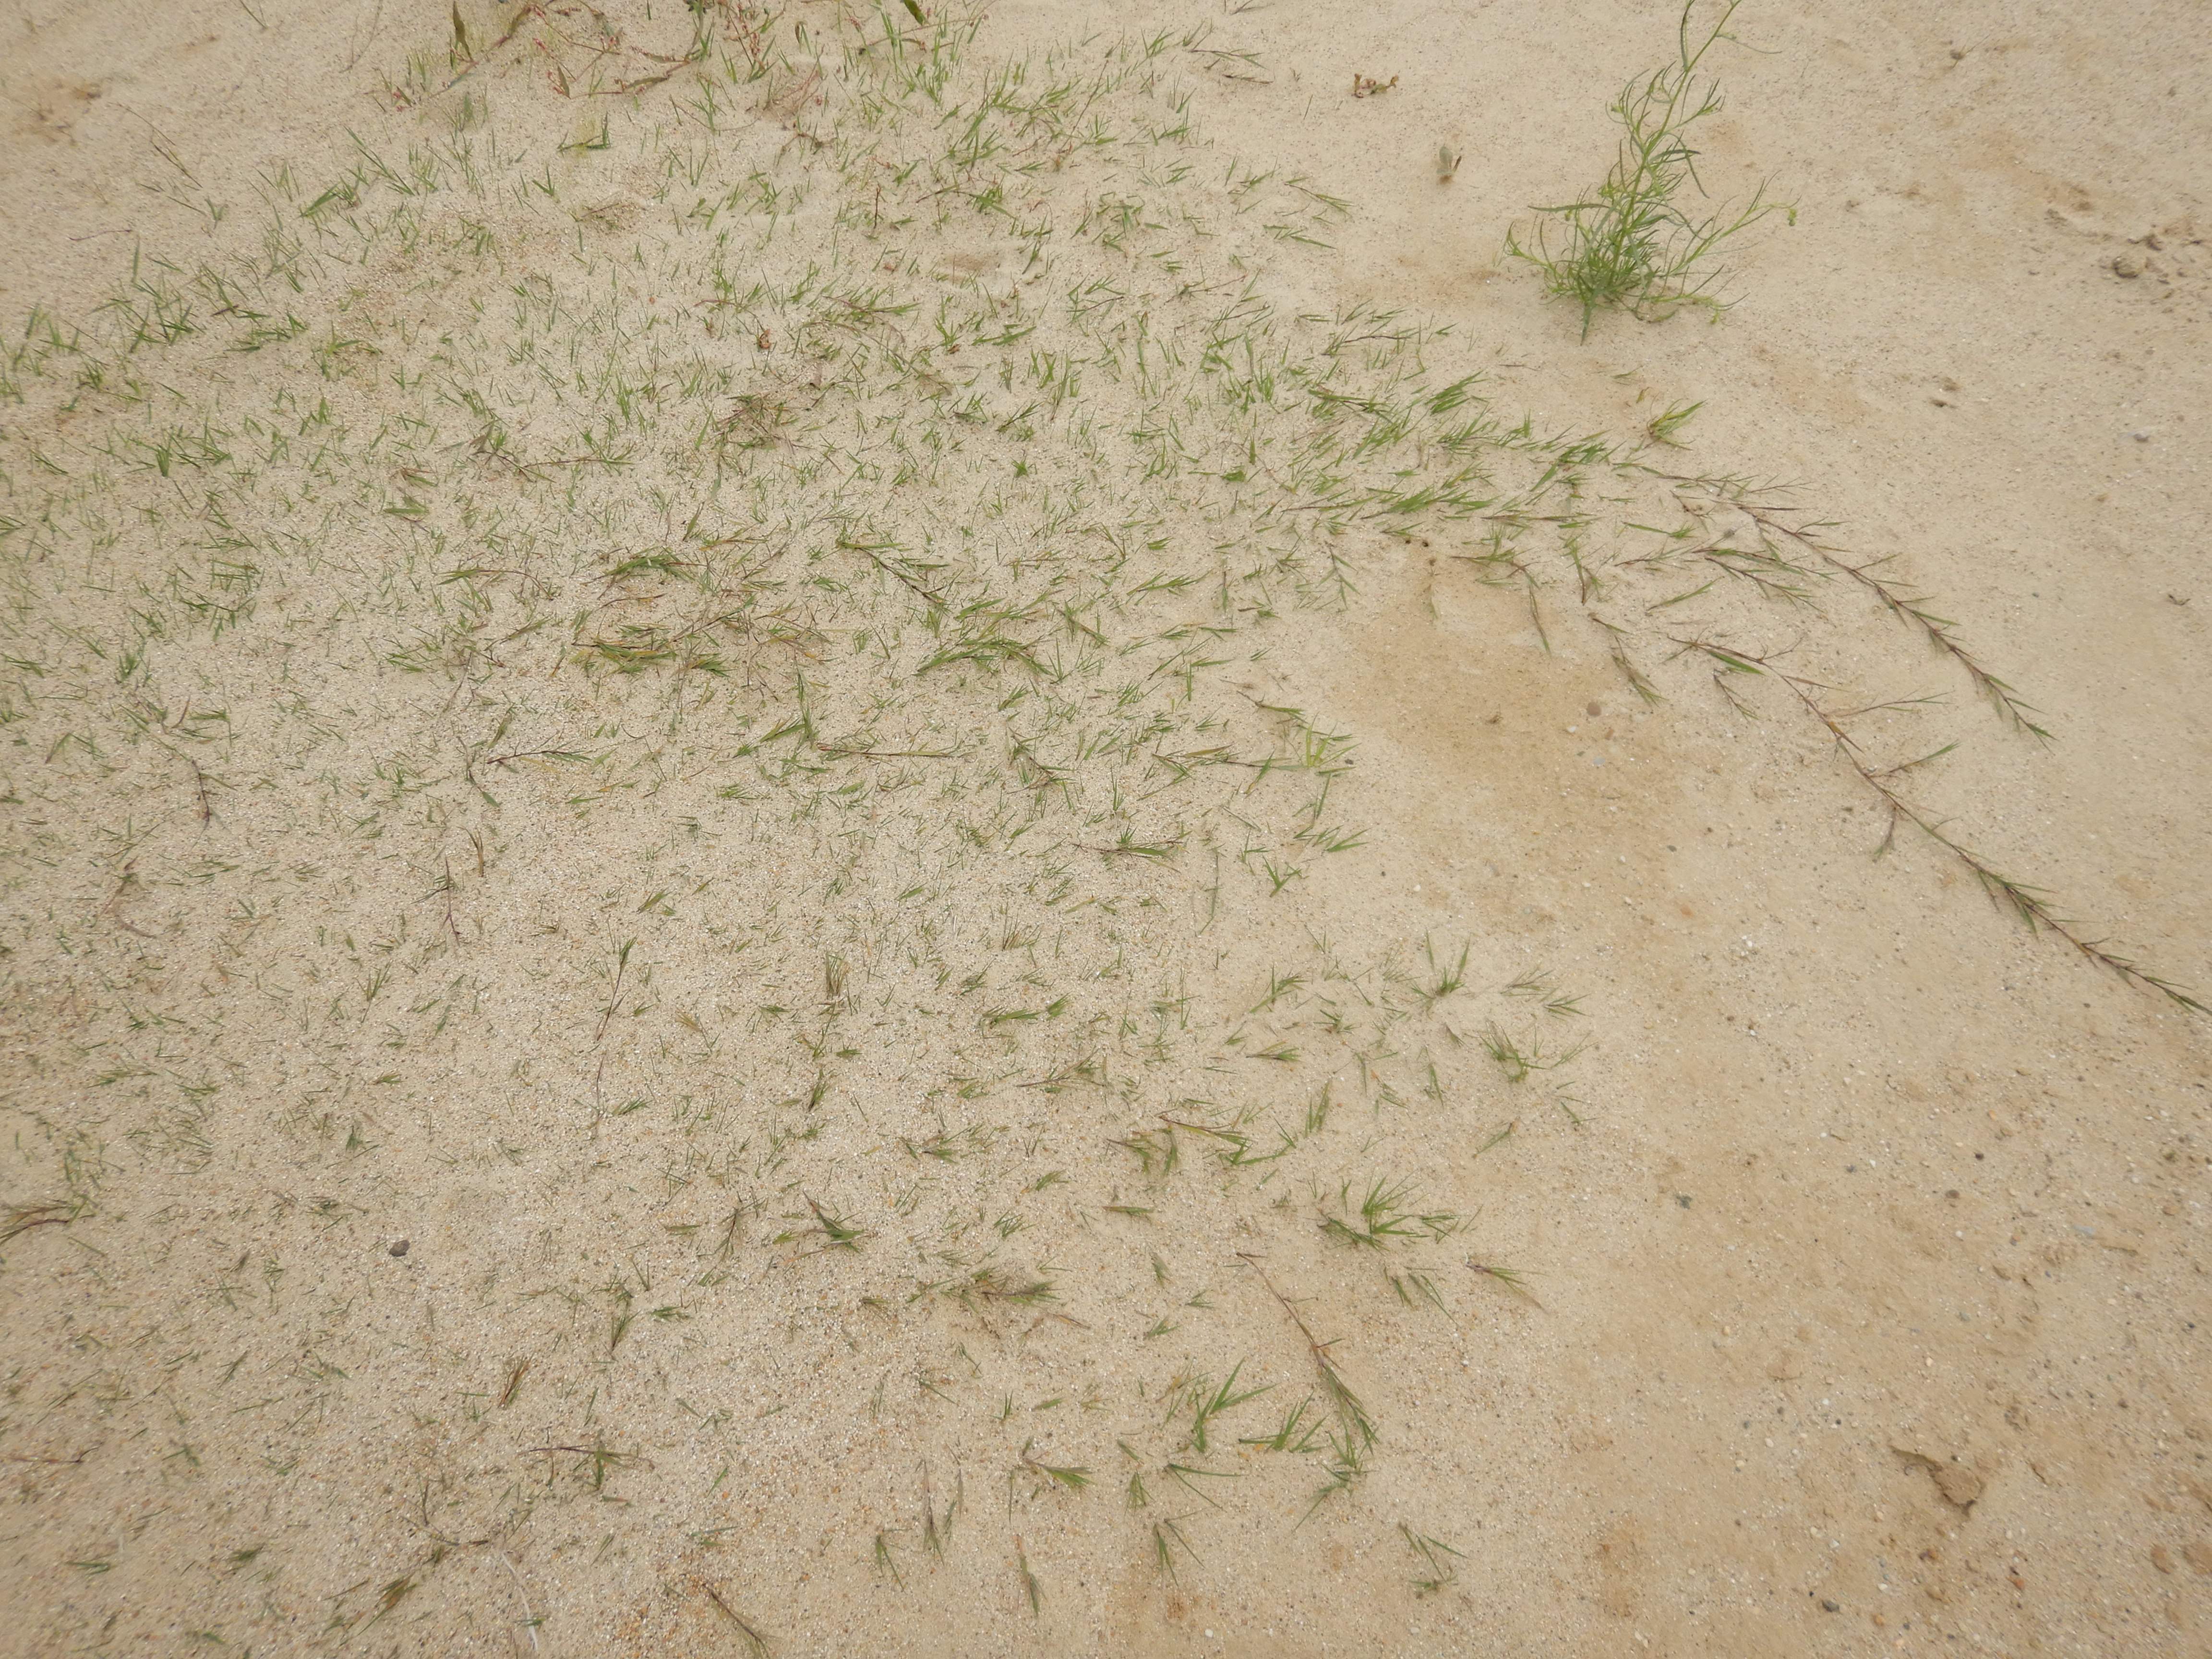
[764, 984]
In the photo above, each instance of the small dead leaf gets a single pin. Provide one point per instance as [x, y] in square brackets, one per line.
[1959, 1486]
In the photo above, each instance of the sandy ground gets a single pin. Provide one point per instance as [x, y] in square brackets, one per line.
[779, 1135]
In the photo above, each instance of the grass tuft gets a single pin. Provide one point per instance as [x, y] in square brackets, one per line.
[1633, 246]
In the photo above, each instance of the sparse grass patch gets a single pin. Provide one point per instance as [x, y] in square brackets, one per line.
[699, 757]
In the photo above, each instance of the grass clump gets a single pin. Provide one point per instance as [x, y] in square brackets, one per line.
[1634, 247]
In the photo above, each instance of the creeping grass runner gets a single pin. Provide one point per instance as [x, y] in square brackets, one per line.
[658, 880]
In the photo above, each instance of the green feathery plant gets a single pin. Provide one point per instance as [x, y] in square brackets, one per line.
[1633, 247]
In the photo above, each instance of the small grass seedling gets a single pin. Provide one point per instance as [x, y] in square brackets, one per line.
[1167, 1538]
[1222, 1399]
[1033, 1591]
[1436, 1557]
[1520, 1059]
[1383, 1216]
[1067, 1477]
[756, 1643]
[884, 1563]
[1509, 1278]
[1297, 1434]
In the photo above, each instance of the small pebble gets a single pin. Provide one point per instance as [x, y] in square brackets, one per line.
[2126, 265]
[398, 1247]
